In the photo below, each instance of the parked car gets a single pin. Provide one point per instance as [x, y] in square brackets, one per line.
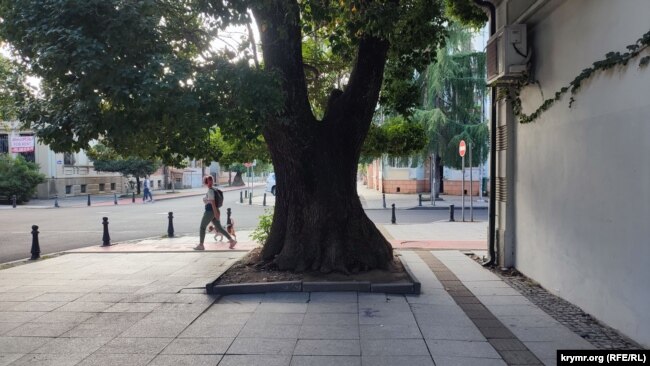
[270, 183]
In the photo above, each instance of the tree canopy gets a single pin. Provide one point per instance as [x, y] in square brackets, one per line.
[106, 159]
[453, 88]
[146, 77]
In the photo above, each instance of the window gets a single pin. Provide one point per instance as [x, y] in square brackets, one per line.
[101, 187]
[68, 189]
[4, 143]
[68, 159]
[159, 184]
[83, 188]
[112, 186]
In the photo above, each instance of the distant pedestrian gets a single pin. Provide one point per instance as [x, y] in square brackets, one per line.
[147, 190]
[212, 214]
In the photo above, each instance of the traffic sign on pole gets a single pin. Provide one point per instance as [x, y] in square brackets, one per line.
[462, 148]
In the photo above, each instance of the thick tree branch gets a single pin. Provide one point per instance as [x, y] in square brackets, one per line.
[362, 92]
[279, 26]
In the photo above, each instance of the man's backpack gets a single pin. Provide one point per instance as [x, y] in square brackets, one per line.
[218, 197]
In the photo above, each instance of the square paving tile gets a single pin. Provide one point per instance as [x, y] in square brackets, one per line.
[333, 297]
[277, 318]
[228, 307]
[258, 330]
[135, 345]
[394, 347]
[72, 345]
[262, 346]
[34, 329]
[99, 359]
[467, 361]
[326, 361]
[278, 307]
[63, 317]
[97, 330]
[396, 361]
[160, 325]
[58, 296]
[453, 333]
[369, 316]
[87, 307]
[36, 306]
[6, 327]
[7, 358]
[198, 346]
[132, 307]
[286, 297]
[185, 360]
[69, 359]
[19, 316]
[21, 344]
[340, 308]
[389, 331]
[447, 348]
[331, 319]
[329, 332]
[327, 347]
[255, 360]
[102, 297]
[197, 330]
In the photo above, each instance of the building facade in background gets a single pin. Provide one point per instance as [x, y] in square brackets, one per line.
[67, 174]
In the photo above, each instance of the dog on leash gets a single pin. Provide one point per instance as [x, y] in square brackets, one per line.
[230, 228]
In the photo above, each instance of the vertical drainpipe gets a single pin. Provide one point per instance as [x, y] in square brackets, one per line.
[493, 148]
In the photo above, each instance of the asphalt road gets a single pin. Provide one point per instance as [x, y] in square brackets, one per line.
[75, 227]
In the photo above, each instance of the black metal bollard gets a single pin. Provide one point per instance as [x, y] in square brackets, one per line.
[88, 199]
[246, 193]
[264, 201]
[420, 199]
[106, 239]
[132, 197]
[56, 201]
[36, 248]
[115, 198]
[384, 198]
[451, 213]
[13, 200]
[250, 198]
[241, 197]
[170, 226]
[393, 219]
[228, 213]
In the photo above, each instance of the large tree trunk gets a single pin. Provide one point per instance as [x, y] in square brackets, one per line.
[238, 180]
[319, 223]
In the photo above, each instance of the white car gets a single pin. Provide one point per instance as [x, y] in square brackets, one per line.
[270, 183]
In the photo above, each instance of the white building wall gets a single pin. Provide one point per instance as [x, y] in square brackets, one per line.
[583, 174]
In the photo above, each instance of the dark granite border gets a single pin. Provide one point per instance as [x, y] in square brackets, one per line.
[509, 347]
[403, 287]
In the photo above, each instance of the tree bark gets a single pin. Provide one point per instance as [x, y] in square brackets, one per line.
[318, 222]
[137, 185]
[238, 180]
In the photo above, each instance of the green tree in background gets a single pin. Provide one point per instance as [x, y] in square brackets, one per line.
[19, 177]
[453, 88]
[145, 76]
[107, 160]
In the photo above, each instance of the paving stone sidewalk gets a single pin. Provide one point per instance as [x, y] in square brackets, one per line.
[151, 309]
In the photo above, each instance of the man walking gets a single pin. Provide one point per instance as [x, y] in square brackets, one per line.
[147, 190]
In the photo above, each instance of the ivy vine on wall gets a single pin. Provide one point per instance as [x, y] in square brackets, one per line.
[612, 59]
